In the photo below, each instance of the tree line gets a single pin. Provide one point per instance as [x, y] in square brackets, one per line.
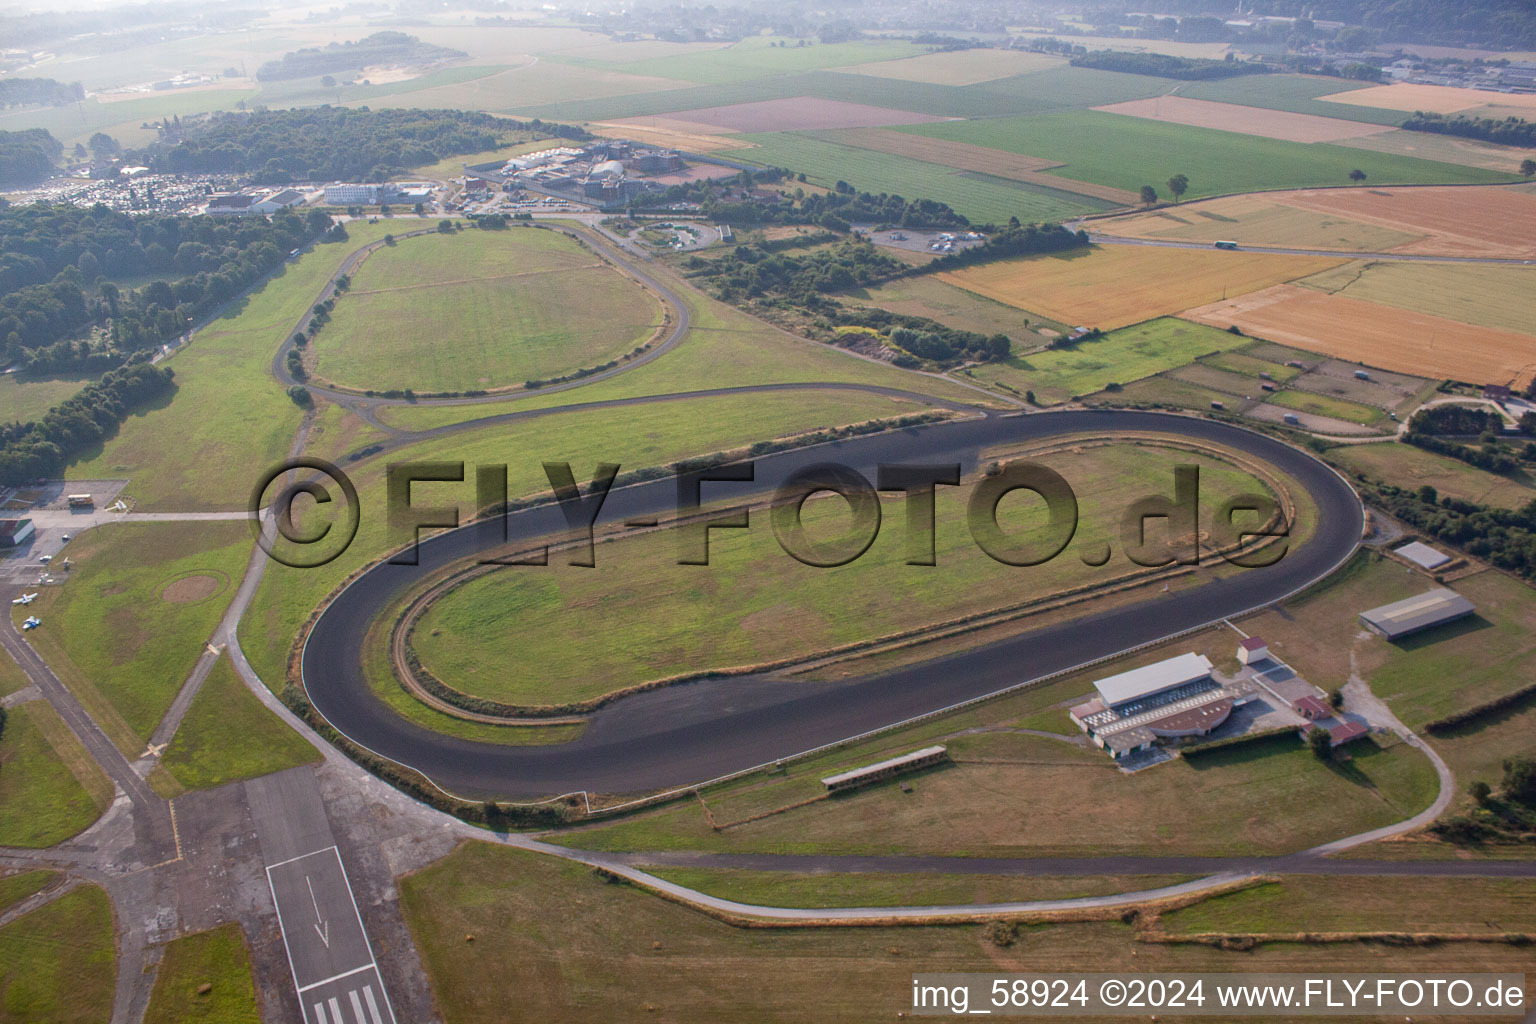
[44, 447]
[381, 48]
[25, 92]
[728, 201]
[1503, 537]
[1507, 131]
[57, 265]
[1163, 65]
[327, 143]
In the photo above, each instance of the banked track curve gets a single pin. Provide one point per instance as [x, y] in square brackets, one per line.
[701, 730]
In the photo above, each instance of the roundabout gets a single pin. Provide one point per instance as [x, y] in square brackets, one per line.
[700, 730]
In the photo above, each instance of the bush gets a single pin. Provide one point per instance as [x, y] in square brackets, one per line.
[300, 395]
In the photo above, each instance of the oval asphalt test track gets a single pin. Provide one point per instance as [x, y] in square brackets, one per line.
[689, 733]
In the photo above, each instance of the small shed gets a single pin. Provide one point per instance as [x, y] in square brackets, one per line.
[1251, 649]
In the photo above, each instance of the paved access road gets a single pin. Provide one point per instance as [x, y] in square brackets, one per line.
[689, 733]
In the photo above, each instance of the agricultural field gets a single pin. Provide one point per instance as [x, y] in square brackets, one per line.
[1119, 357]
[1499, 296]
[1296, 93]
[1434, 99]
[519, 305]
[217, 959]
[794, 114]
[927, 296]
[1448, 149]
[538, 917]
[228, 736]
[50, 789]
[1234, 117]
[965, 67]
[980, 197]
[1405, 465]
[1128, 152]
[125, 630]
[1312, 904]
[644, 618]
[1376, 335]
[1455, 221]
[1256, 220]
[1117, 285]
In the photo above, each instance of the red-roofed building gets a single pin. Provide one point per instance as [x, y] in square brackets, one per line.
[1310, 708]
[1251, 649]
[1346, 732]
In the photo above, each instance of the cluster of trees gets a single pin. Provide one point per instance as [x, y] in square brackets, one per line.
[330, 143]
[1504, 537]
[1509, 814]
[57, 265]
[26, 92]
[27, 156]
[925, 338]
[1492, 455]
[751, 273]
[1015, 240]
[1454, 419]
[1508, 131]
[835, 210]
[1494, 24]
[44, 447]
[1164, 65]
[381, 48]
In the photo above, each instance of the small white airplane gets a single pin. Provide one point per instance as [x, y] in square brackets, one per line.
[24, 599]
[32, 622]
[46, 559]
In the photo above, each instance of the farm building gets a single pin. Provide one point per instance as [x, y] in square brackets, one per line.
[14, 532]
[1403, 618]
[1168, 699]
[887, 769]
[1422, 555]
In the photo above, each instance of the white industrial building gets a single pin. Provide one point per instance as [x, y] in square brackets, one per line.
[349, 194]
[1172, 698]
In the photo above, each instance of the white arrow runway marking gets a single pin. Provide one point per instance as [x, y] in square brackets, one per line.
[322, 926]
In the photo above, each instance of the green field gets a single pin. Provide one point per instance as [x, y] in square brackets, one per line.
[981, 198]
[24, 400]
[1252, 366]
[566, 634]
[641, 436]
[200, 448]
[126, 629]
[44, 775]
[1326, 405]
[16, 887]
[481, 309]
[1296, 93]
[759, 57]
[227, 736]
[217, 958]
[877, 889]
[582, 948]
[1019, 795]
[954, 307]
[1501, 297]
[1118, 357]
[56, 963]
[1405, 465]
[1128, 152]
[1312, 904]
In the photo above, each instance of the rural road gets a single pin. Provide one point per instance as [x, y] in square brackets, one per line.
[684, 734]
[1158, 243]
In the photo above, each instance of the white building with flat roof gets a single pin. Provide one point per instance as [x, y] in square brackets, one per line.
[1153, 679]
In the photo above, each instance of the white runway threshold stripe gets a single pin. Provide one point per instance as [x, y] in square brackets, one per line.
[333, 966]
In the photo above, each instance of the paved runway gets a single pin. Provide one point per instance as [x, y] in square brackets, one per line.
[684, 734]
[333, 966]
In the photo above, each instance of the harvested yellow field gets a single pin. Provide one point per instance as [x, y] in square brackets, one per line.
[958, 67]
[1432, 99]
[1114, 286]
[1377, 335]
[1494, 295]
[1257, 220]
[668, 133]
[1447, 149]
